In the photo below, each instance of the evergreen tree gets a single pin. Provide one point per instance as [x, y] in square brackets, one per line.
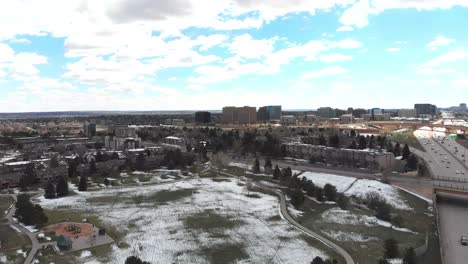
[411, 163]
[396, 150]
[99, 157]
[319, 194]
[390, 147]
[310, 188]
[115, 155]
[49, 190]
[322, 140]
[106, 182]
[22, 184]
[256, 166]
[135, 260]
[83, 185]
[330, 192]
[297, 198]
[29, 174]
[409, 256]
[391, 249]
[276, 173]
[92, 166]
[406, 152]
[353, 145]
[62, 187]
[27, 213]
[72, 166]
[317, 260]
[362, 142]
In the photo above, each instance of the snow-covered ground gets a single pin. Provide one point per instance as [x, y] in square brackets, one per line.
[241, 165]
[358, 187]
[320, 179]
[348, 236]
[158, 232]
[344, 217]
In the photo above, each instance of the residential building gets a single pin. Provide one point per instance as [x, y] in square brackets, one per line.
[408, 113]
[202, 117]
[239, 115]
[124, 138]
[89, 129]
[425, 109]
[346, 119]
[326, 112]
[352, 158]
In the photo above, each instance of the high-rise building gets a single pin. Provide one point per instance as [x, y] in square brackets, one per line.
[239, 115]
[462, 107]
[326, 112]
[202, 117]
[425, 109]
[408, 113]
[269, 113]
[89, 129]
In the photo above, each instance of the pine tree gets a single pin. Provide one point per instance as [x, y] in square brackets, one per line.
[330, 192]
[140, 162]
[256, 167]
[317, 260]
[49, 191]
[54, 162]
[268, 166]
[390, 147]
[362, 142]
[406, 152]
[396, 150]
[62, 187]
[115, 155]
[276, 173]
[319, 194]
[342, 201]
[22, 184]
[83, 185]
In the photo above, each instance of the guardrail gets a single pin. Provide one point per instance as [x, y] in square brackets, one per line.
[451, 185]
[450, 179]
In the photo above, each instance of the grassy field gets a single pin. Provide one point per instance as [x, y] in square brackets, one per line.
[5, 203]
[406, 137]
[11, 242]
[194, 221]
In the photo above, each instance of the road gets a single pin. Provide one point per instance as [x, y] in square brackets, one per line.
[285, 214]
[447, 169]
[453, 213]
[36, 245]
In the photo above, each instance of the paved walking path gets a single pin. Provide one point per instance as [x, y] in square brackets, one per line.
[36, 245]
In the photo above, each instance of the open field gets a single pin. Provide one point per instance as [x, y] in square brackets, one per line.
[406, 137]
[187, 222]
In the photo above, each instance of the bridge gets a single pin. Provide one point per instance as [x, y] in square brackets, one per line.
[417, 125]
[450, 185]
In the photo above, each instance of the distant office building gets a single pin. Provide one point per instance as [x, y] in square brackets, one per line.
[425, 109]
[462, 107]
[239, 115]
[269, 113]
[311, 119]
[326, 112]
[359, 112]
[124, 138]
[288, 120]
[89, 130]
[346, 119]
[375, 111]
[407, 113]
[174, 122]
[376, 117]
[202, 117]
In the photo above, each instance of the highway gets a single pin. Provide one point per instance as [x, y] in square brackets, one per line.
[447, 170]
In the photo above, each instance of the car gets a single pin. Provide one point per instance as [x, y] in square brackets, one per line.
[447, 167]
[457, 172]
[464, 240]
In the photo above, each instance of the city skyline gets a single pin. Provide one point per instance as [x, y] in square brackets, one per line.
[196, 55]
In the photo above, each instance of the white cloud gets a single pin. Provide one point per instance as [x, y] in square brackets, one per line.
[393, 50]
[334, 57]
[455, 55]
[440, 41]
[326, 72]
[345, 28]
[245, 46]
[358, 14]
[19, 65]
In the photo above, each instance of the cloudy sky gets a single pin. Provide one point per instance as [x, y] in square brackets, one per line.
[58, 55]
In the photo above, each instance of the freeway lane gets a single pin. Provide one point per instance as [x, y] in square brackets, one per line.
[452, 212]
[453, 224]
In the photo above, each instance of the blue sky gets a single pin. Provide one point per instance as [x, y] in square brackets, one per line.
[199, 54]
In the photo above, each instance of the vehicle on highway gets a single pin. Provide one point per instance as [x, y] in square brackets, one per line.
[464, 241]
[458, 172]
